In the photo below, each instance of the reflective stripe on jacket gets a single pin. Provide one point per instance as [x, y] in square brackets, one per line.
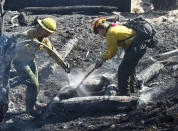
[26, 52]
[115, 34]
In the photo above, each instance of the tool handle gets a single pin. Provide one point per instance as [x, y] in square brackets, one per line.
[63, 64]
[85, 77]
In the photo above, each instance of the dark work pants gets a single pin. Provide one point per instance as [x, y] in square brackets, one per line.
[127, 68]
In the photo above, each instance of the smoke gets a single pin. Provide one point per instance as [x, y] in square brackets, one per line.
[149, 95]
[76, 77]
[108, 69]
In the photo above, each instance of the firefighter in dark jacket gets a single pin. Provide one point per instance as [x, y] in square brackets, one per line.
[126, 38]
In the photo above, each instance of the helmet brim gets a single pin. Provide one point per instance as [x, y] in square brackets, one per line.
[42, 25]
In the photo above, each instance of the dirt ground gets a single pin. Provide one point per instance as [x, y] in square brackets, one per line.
[161, 111]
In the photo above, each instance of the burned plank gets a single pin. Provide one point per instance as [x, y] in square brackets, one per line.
[66, 49]
[149, 72]
[157, 64]
[160, 57]
[69, 9]
[91, 105]
[122, 5]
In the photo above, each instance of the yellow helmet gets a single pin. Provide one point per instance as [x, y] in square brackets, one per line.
[96, 23]
[48, 24]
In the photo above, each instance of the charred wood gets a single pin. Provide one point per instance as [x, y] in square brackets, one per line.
[149, 72]
[91, 105]
[70, 9]
[22, 19]
[66, 49]
[122, 5]
[94, 104]
[157, 63]
[162, 57]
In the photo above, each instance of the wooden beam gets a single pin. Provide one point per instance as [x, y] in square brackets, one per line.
[66, 49]
[70, 9]
[147, 74]
[121, 5]
[161, 57]
[91, 105]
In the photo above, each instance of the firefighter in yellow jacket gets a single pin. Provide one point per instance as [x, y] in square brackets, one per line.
[24, 61]
[126, 38]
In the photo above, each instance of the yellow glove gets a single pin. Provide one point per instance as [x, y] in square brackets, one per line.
[39, 47]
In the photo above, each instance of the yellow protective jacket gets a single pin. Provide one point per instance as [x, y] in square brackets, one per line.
[26, 51]
[115, 34]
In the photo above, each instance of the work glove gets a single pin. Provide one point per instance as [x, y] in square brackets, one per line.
[99, 63]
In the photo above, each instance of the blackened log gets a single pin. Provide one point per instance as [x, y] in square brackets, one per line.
[66, 49]
[91, 105]
[70, 9]
[94, 104]
[166, 55]
[161, 57]
[22, 19]
[147, 74]
[122, 5]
